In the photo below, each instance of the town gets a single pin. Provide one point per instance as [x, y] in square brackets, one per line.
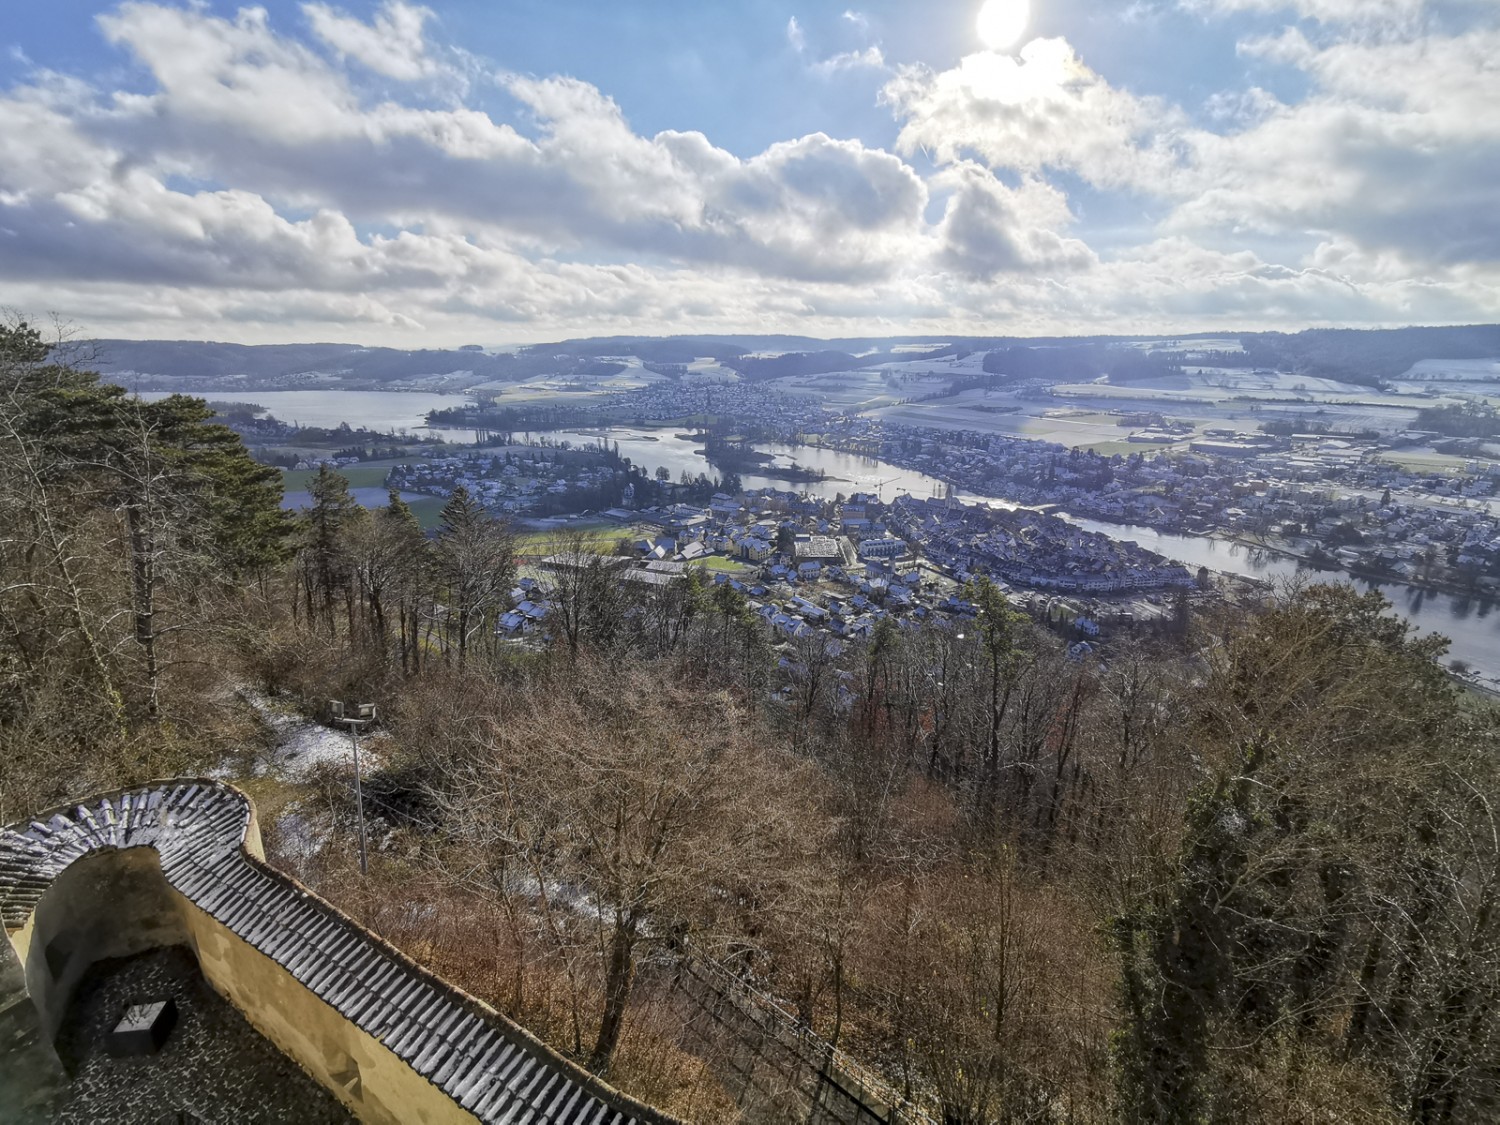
[1349, 500]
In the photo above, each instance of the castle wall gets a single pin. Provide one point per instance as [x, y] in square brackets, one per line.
[113, 903]
[180, 862]
[377, 1086]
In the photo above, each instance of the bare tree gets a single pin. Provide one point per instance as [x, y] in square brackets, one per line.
[644, 794]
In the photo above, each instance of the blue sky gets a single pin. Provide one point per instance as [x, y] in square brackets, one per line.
[389, 172]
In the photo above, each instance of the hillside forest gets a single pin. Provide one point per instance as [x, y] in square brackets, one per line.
[1368, 357]
[1246, 874]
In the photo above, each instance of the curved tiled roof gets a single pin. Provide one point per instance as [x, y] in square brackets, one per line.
[478, 1058]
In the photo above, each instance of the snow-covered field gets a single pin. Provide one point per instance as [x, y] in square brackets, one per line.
[1488, 369]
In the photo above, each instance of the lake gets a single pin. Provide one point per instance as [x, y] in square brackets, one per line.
[383, 411]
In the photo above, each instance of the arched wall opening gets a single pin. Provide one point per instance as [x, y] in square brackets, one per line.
[110, 903]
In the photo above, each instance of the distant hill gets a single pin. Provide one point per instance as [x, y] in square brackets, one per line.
[1368, 356]
[1352, 355]
[193, 359]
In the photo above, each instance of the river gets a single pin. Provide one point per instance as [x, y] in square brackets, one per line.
[845, 472]
[1472, 623]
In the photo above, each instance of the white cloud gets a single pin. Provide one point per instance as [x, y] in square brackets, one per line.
[1043, 109]
[253, 186]
[795, 35]
[1411, 166]
[1368, 13]
[871, 58]
[393, 45]
[989, 228]
[237, 103]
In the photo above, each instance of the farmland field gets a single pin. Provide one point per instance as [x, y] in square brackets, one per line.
[367, 474]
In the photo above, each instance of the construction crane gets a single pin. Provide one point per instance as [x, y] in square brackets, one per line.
[880, 487]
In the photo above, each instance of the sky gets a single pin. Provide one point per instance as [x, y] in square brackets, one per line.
[512, 171]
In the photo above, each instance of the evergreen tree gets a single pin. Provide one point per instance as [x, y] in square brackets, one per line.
[326, 568]
[475, 556]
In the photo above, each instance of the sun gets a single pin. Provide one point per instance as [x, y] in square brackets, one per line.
[1001, 23]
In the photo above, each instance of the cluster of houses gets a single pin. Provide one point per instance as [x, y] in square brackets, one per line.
[1415, 541]
[1309, 491]
[748, 404]
[1032, 549]
[808, 566]
[510, 480]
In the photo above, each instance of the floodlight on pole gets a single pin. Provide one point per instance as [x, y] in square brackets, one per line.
[364, 713]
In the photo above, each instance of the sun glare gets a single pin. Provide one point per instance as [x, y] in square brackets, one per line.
[1001, 23]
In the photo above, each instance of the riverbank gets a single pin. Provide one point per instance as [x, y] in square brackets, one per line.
[1365, 574]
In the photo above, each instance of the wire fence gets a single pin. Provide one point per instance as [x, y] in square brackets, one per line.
[773, 1061]
[775, 1066]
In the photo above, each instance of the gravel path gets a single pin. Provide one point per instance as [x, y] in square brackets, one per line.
[214, 1067]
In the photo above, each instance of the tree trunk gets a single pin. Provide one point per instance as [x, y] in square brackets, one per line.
[617, 985]
[143, 587]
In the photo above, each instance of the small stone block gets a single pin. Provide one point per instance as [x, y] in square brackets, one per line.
[143, 1029]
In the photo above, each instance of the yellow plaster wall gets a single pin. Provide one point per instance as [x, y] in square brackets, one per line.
[113, 903]
[118, 903]
[386, 1090]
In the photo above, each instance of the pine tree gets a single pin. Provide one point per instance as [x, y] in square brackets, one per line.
[475, 556]
[326, 568]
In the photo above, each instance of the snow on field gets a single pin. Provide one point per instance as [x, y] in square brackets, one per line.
[301, 835]
[1222, 344]
[987, 412]
[1146, 390]
[1454, 369]
[865, 389]
[710, 370]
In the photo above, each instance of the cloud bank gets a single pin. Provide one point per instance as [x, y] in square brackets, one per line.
[335, 179]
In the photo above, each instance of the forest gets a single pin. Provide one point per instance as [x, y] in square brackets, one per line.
[1249, 874]
[1463, 420]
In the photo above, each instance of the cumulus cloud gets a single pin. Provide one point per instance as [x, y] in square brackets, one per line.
[584, 178]
[1042, 109]
[989, 228]
[1411, 166]
[393, 45]
[1407, 166]
[260, 180]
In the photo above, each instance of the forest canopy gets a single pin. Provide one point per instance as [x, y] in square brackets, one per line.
[1243, 871]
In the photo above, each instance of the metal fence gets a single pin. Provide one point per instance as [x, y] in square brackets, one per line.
[776, 1068]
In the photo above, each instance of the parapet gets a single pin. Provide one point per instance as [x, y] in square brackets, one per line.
[391, 1040]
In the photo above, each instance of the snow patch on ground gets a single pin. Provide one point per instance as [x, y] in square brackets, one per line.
[302, 744]
[300, 836]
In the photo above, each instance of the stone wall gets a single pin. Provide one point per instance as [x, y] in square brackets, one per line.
[118, 903]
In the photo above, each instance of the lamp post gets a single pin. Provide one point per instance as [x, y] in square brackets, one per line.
[364, 713]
